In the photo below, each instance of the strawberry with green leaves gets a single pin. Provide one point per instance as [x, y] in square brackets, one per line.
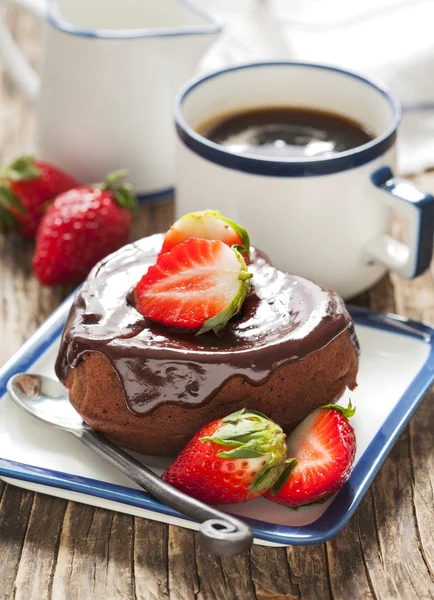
[198, 285]
[81, 227]
[208, 225]
[323, 448]
[231, 460]
[26, 188]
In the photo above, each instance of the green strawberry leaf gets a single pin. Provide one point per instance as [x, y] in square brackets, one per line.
[231, 434]
[8, 198]
[348, 412]
[122, 192]
[291, 463]
[241, 249]
[125, 197]
[114, 177]
[221, 442]
[266, 477]
[235, 417]
[219, 321]
[21, 169]
[241, 452]
[240, 231]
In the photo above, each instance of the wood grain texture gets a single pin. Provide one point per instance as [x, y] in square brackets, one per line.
[51, 548]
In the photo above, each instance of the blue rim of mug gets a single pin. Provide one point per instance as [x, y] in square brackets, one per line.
[275, 167]
[160, 195]
[211, 26]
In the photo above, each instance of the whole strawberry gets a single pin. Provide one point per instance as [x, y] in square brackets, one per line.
[323, 447]
[81, 227]
[230, 460]
[26, 188]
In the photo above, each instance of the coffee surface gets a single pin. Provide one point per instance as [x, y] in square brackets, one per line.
[284, 132]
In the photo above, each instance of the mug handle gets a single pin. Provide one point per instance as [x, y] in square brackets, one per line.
[24, 74]
[418, 207]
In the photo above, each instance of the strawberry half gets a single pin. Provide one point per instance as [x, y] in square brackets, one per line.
[323, 447]
[26, 188]
[230, 460]
[208, 225]
[200, 284]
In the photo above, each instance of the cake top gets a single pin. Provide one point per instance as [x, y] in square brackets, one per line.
[283, 319]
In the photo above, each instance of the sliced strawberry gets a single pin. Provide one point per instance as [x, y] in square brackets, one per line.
[230, 460]
[199, 284]
[209, 225]
[323, 447]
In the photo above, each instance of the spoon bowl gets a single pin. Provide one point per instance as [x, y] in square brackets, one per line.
[45, 399]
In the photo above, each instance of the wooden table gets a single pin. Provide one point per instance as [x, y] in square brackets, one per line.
[51, 548]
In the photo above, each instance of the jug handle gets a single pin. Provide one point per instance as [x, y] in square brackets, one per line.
[21, 70]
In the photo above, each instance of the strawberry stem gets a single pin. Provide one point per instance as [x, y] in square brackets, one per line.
[347, 412]
[122, 192]
[114, 177]
[244, 276]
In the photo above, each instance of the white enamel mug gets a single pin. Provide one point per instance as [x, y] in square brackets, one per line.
[326, 218]
[109, 74]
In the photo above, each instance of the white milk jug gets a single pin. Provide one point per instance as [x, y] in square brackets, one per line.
[109, 74]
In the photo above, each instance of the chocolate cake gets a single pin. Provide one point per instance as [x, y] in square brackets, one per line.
[150, 387]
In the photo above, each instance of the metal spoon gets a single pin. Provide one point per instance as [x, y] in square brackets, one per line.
[47, 400]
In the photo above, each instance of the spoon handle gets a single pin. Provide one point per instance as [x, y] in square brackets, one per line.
[219, 533]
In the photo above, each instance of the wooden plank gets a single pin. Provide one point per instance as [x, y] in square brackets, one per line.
[310, 571]
[388, 531]
[182, 571]
[237, 574]
[223, 577]
[95, 555]
[271, 575]
[421, 444]
[15, 507]
[150, 569]
[40, 546]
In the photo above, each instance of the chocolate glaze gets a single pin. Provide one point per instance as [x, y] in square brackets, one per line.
[283, 319]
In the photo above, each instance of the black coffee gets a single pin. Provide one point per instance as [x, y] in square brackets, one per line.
[285, 132]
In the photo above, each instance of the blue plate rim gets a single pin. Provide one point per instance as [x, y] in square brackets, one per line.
[343, 505]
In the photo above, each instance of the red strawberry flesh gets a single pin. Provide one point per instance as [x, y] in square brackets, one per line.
[324, 446]
[193, 283]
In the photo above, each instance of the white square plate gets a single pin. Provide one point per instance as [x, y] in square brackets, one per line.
[396, 369]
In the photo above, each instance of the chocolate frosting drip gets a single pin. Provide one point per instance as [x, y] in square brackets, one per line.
[283, 319]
